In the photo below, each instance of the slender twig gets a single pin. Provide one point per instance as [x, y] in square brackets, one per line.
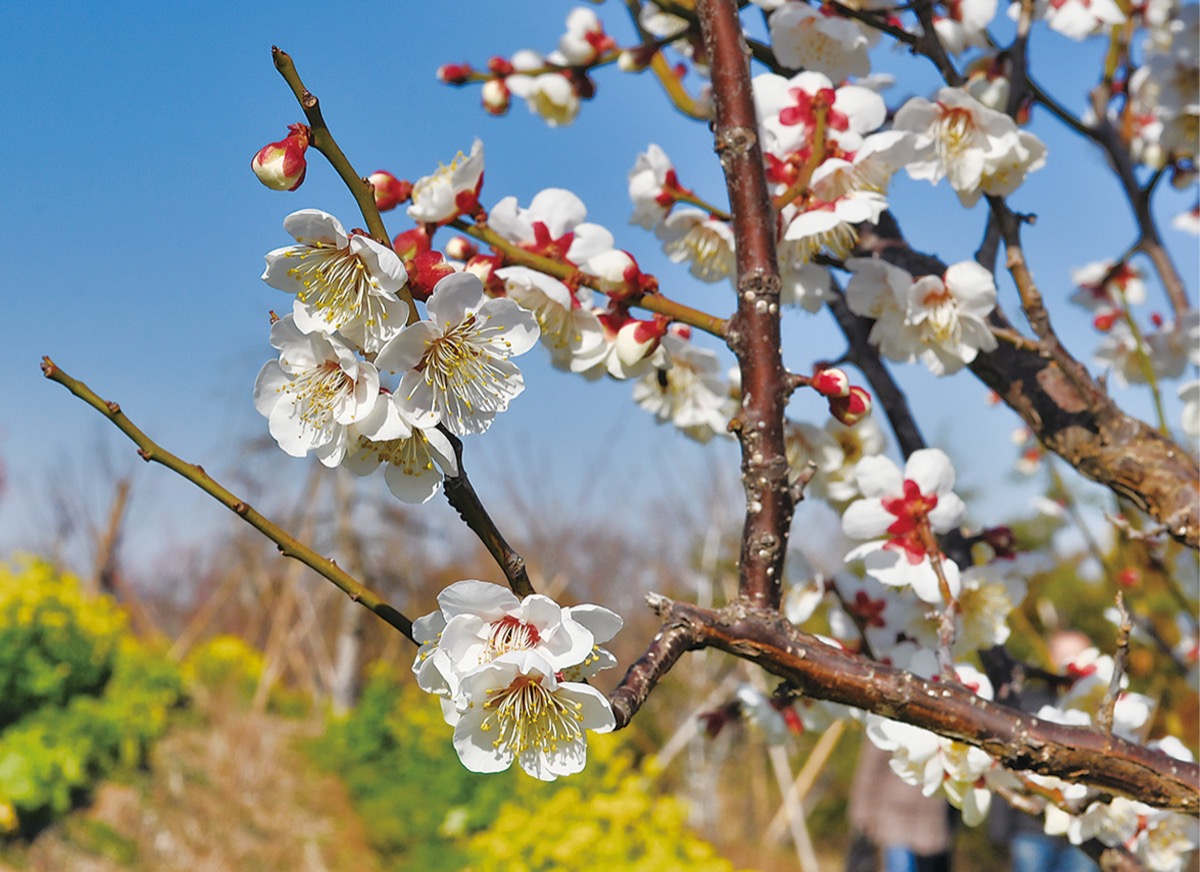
[149, 450]
[322, 140]
[1104, 717]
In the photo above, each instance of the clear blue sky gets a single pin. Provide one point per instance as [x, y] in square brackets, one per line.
[135, 231]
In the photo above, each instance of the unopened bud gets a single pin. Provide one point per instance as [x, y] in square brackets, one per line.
[500, 66]
[424, 271]
[461, 248]
[637, 340]
[1105, 320]
[410, 243]
[831, 382]
[390, 191]
[1130, 576]
[485, 266]
[455, 74]
[851, 408]
[281, 165]
[617, 274]
[495, 96]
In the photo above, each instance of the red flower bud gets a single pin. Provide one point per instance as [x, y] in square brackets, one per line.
[410, 243]
[1130, 576]
[424, 271]
[281, 165]
[851, 408]
[831, 382]
[455, 74]
[390, 191]
[500, 66]
[461, 248]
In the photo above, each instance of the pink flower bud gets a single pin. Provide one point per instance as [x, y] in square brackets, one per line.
[831, 382]
[851, 408]
[461, 248]
[637, 340]
[390, 191]
[455, 74]
[281, 165]
[495, 97]
[424, 271]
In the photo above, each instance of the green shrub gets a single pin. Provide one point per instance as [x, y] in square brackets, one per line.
[93, 698]
[423, 810]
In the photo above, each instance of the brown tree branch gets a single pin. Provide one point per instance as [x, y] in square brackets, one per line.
[753, 334]
[1016, 739]
[460, 493]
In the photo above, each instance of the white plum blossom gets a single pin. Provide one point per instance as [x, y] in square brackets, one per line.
[568, 326]
[938, 765]
[705, 242]
[553, 226]
[1171, 347]
[691, 392]
[827, 219]
[514, 708]
[942, 319]
[651, 182]
[415, 458]
[508, 672]
[478, 621]
[456, 364]
[907, 508]
[315, 391]
[990, 593]
[450, 191]
[949, 316]
[585, 40]
[980, 150]
[1075, 19]
[788, 109]
[803, 37]
[965, 24]
[807, 285]
[548, 94]
[1189, 415]
[343, 283]
[1104, 286]
[1188, 221]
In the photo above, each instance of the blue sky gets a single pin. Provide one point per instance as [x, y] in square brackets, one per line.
[135, 233]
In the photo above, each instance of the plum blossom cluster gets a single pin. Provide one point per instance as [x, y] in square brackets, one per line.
[511, 675]
[552, 85]
[349, 327]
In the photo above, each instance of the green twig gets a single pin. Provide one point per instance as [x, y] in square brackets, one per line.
[289, 546]
[322, 140]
